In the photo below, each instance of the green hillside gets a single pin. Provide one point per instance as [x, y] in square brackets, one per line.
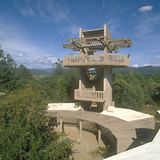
[40, 73]
[146, 71]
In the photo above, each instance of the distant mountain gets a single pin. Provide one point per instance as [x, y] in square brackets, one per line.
[40, 73]
[146, 71]
[47, 69]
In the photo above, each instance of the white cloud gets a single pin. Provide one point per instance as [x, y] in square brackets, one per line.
[53, 11]
[147, 25]
[158, 57]
[136, 65]
[145, 9]
[37, 62]
[18, 55]
[133, 15]
[15, 41]
[147, 65]
[147, 38]
[24, 7]
[28, 11]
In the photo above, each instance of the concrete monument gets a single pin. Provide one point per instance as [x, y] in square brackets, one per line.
[122, 126]
[95, 69]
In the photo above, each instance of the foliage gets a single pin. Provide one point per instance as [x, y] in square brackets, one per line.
[61, 92]
[127, 95]
[102, 151]
[24, 130]
[66, 81]
[20, 78]
[7, 70]
[11, 77]
[48, 85]
[153, 92]
[133, 90]
[40, 72]
[145, 71]
[57, 68]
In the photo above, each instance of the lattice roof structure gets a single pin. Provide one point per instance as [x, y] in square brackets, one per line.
[95, 40]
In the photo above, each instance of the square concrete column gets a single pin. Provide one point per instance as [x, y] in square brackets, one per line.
[108, 35]
[81, 83]
[107, 87]
[80, 129]
[57, 121]
[61, 124]
[99, 134]
[81, 79]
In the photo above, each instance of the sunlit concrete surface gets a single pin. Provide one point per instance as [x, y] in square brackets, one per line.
[63, 106]
[125, 114]
[148, 151]
[125, 133]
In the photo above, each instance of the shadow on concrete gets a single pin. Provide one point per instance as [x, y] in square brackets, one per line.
[144, 136]
[109, 140]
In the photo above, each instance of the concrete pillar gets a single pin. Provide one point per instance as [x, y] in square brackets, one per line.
[57, 121]
[80, 32]
[81, 81]
[107, 79]
[107, 87]
[81, 36]
[80, 129]
[99, 134]
[105, 34]
[61, 124]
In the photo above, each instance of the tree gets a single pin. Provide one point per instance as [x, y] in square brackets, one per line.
[24, 130]
[7, 70]
[48, 85]
[65, 91]
[71, 75]
[21, 77]
[153, 93]
[61, 90]
[128, 95]
[57, 68]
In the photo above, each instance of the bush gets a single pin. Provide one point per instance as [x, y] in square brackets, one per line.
[24, 130]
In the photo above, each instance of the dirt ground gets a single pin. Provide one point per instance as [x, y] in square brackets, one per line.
[87, 147]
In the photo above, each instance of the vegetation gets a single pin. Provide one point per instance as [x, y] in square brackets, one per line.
[40, 72]
[133, 90]
[24, 130]
[101, 151]
[145, 71]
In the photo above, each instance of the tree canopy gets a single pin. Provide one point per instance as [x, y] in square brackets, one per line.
[24, 129]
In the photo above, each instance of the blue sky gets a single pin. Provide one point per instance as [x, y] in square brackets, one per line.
[32, 31]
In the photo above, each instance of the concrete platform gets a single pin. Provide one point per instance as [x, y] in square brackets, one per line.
[126, 114]
[63, 106]
[124, 129]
